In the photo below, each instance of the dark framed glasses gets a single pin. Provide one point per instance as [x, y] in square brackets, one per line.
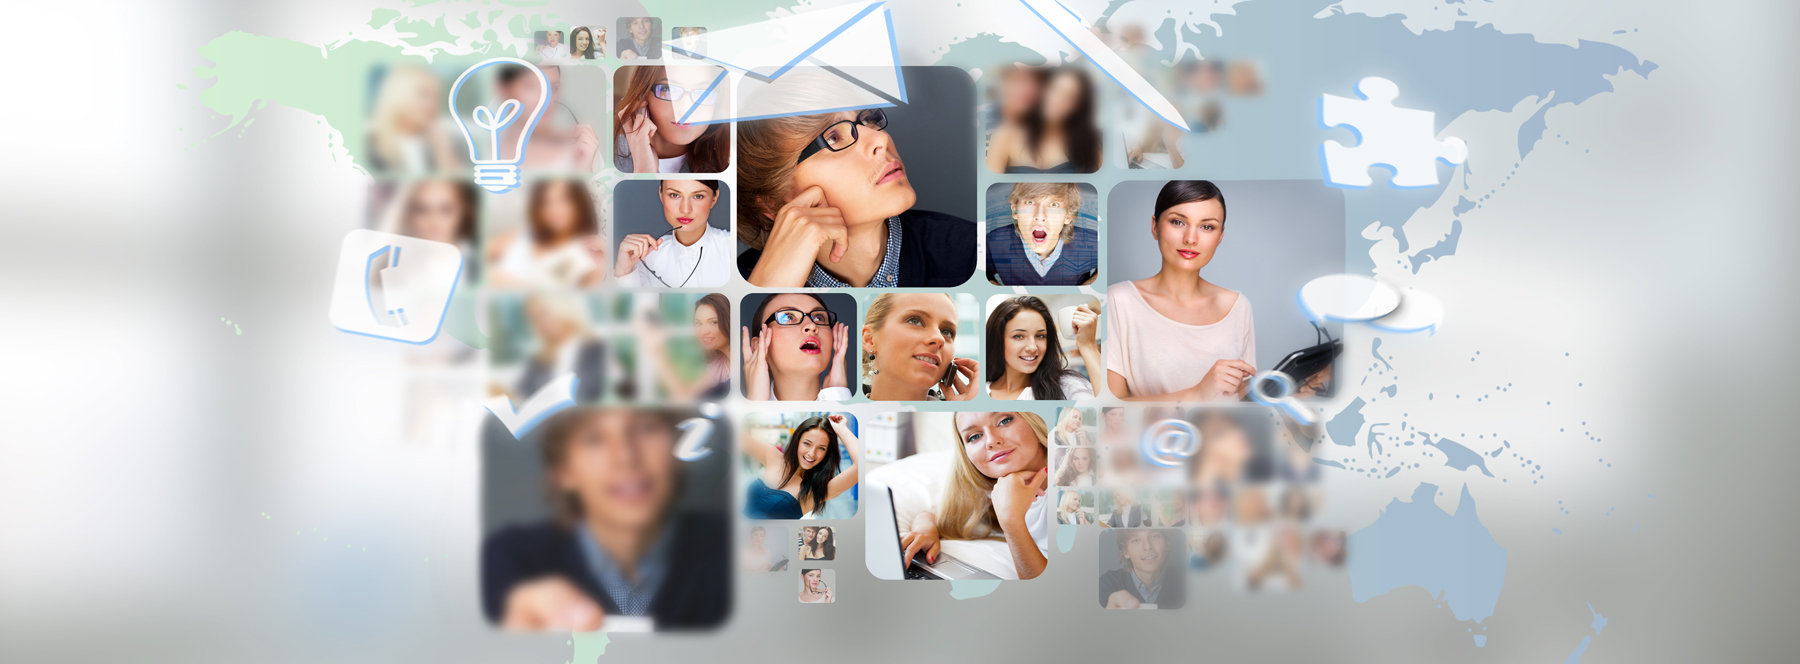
[792, 317]
[670, 93]
[843, 133]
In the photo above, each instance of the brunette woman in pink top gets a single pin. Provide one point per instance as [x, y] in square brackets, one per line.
[1176, 336]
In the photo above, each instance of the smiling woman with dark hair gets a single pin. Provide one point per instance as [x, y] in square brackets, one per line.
[1025, 357]
[826, 202]
[712, 329]
[581, 44]
[800, 479]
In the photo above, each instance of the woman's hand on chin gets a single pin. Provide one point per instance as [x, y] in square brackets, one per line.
[962, 379]
[802, 227]
[1013, 494]
[586, 144]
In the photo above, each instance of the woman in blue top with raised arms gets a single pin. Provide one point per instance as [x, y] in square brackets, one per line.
[802, 478]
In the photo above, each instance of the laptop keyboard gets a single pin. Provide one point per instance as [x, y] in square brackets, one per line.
[913, 572]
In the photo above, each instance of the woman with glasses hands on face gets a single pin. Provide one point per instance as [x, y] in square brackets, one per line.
[826, 202]
[790, 339]
[657, 127]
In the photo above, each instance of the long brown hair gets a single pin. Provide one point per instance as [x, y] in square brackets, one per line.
[710, 153]
[721, 307]
[1067, 475]
[1081, 131]
[1046, 380]
[585, 222]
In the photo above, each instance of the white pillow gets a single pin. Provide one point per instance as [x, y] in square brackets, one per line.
[918, 483]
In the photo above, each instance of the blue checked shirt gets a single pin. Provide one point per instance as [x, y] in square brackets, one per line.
[633, 599]
[886, 276]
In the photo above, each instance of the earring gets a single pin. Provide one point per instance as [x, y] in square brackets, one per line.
[872, 369]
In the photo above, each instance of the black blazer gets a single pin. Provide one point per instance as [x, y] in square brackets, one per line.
[695, 594]
[590, 374]
[1135, 517]
[1172, 595]
[936, 251]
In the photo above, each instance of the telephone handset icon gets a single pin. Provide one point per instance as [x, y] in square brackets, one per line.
[382, 267]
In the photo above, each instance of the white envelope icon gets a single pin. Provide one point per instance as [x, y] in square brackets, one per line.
[836, 59]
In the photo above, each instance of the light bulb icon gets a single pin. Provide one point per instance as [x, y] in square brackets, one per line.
[499, 173]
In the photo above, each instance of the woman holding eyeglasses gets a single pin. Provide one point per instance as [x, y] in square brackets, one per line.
[692, 254]
[793, 351]
[658, 116]
[825, 202]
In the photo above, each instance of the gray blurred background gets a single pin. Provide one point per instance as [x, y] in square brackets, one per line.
[224, 497]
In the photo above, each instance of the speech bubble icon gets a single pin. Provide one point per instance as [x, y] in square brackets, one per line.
[1419, 311]
[1348, 298]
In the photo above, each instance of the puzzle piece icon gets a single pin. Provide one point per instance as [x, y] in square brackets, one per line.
[1401, 139]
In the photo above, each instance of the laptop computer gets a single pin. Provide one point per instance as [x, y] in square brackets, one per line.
[885, 552]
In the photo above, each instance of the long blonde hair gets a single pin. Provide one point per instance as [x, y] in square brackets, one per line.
[968, 512]
[1066, 516]
[392, 100]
